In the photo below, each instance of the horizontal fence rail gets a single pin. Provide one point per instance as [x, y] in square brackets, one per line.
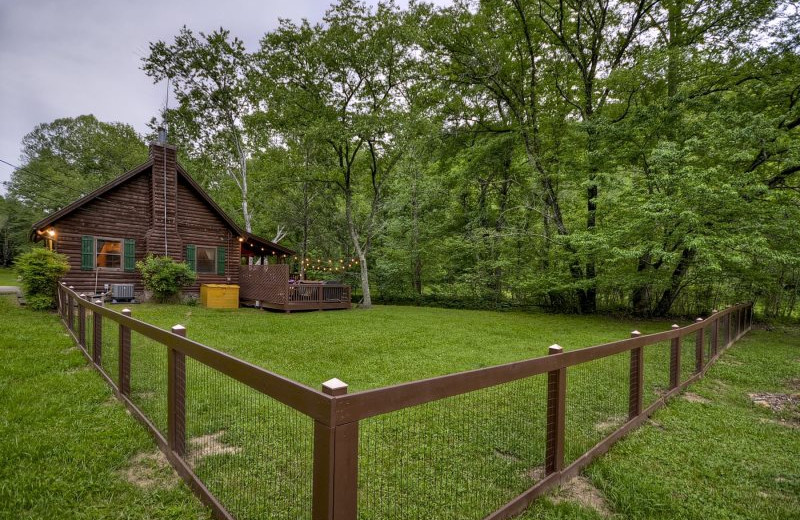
[477, 444]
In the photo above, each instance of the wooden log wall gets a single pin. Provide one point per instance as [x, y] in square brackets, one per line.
[198, 224]
[135, 210]
[124, 212]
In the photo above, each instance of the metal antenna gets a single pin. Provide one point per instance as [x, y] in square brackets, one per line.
[164, 144]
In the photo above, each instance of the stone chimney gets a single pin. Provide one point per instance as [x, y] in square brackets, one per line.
[164, 192]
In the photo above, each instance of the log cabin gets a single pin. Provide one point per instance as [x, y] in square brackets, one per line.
[155, 208]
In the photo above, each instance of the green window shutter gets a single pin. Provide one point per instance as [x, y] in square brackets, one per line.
[220, 260]
[190, 257]
[87, 253]
[130, 254]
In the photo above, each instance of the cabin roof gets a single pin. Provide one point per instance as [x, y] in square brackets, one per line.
[49, 220]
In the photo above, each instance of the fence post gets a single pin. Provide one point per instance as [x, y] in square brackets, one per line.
[715, 333]
[70, 311]
[675, 360]
[82, 323]
[125, 356]
[636, 392]
[699, 341]
[176, 396]
[335, 479]
[556, 416]
[97, 336]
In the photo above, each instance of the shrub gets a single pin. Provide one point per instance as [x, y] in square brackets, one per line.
[40, 269]
[164, 277]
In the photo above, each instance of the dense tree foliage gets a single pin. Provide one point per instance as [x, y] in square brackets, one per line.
[70, 157]
[634, 155]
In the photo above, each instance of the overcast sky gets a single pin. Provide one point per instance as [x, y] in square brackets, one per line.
[64, 58]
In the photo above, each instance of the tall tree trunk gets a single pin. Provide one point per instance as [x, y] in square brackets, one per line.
[671, 293]
[640, 299]
[366, 302]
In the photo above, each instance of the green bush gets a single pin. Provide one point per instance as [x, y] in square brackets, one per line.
[164, 277]
[40, 269]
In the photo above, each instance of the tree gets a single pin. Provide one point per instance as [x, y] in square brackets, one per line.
[341, 83]
[208, 75]
[69, 157]
[15, 225]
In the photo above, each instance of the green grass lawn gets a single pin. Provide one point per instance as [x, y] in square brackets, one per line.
[460, 457]
[8, 276]
[64, 443]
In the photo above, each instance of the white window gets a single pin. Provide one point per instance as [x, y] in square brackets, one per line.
[108, 253]
[206, 259]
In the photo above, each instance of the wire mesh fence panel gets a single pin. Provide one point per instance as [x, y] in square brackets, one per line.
[656, 371]
[253, 453]
[688, 356]
[596, 403]
[709, 345]
[89, 333]
[149, 379]
[110, 351]
[461, 457]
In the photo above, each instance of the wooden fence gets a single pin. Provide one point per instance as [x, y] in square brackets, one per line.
[336, 414]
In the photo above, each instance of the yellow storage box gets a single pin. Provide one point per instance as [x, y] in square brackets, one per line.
[219, 296]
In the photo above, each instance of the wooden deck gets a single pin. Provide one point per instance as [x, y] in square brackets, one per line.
[268, 287]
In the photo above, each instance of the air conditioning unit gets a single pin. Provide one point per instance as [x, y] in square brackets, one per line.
[122, 291]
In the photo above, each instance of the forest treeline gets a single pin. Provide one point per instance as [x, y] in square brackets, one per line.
[626, 155]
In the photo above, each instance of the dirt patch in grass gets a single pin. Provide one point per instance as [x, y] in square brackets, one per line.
[785, 424]
[150, 470]
[655, 424]
[208, 445]
[694, 398]
[506, 455]
[731, 362]
[611, 423]
[793, 384]
[580, 490]
[776, 402]
[536, 474]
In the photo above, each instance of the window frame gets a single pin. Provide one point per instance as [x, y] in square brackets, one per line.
[197, 248]
[121, 253]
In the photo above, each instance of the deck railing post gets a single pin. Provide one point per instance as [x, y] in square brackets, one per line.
[97, 336]
[82, 323]
[176, 396]
[675, 360]
[636, 394]
[715, 333]
[699, 341]
[125, 356]
[556, 416]
[335, 478]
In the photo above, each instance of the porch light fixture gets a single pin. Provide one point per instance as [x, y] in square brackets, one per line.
[51, 232]
[241, 239]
